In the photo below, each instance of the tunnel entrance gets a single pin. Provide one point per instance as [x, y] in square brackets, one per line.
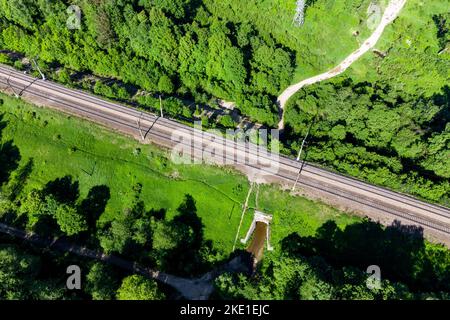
[260, 229]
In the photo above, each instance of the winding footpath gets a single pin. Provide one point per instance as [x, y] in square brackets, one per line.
[391, 13]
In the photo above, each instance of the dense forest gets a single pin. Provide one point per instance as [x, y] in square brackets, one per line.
[386, 120]
[373, 132]
[189, 50]
[164, 47]
[29, 273]
[332, 264]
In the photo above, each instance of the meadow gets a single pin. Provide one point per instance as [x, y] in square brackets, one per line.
[414, 44]
[331, 29]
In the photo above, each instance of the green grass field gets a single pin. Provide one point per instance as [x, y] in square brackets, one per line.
[62, 145]
[324, 40]
[413, 63]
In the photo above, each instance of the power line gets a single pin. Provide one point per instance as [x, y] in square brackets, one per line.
[300, 153]
[160, 106]
[38, 69]
[11, 87]
[299, 18]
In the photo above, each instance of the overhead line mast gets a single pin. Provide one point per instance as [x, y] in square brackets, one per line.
[299, 18]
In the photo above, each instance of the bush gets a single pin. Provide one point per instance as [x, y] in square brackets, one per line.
[227, 121]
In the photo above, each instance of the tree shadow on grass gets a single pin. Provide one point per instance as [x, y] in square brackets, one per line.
[188, 217]
[9, 156]
[399, 250]
[158, 214]
[47, 225]
[12, 190]
[442, 118]
[64, 190]
[19, 179]
[188, 257]
[94, 205]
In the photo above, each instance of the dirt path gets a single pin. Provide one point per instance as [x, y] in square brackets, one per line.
[191, 289]
[392, 11]
[244, 208]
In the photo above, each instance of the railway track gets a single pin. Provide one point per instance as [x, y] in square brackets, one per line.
[259, 159]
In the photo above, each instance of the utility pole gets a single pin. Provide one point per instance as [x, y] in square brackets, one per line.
[303, 145]
[38, 69]
[139, 127]
[299, 18]
[300, 155]
[9, 84]
[160, 106]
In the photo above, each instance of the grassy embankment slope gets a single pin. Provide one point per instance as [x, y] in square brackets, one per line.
[325, 39]
[413, 62]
